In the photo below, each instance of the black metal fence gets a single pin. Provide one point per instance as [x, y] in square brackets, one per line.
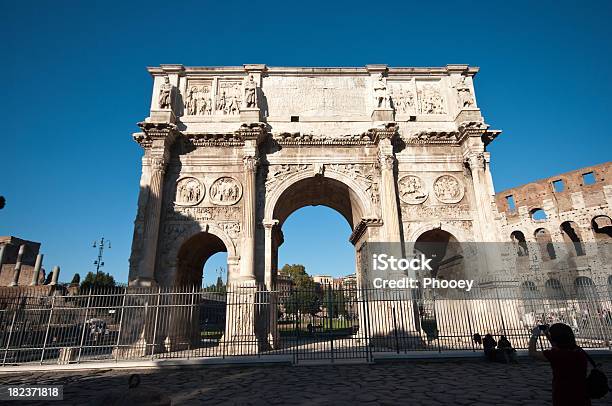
[326, 322]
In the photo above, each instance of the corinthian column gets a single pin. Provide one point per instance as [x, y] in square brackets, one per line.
[247, 269]
[477, 164]
[388, 196]
[156, 139]
[252, 134]
[152, 219]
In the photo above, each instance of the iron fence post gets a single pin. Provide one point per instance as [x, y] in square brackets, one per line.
[120, 324]
[191, 321]
[42, 356]
[8, 341]
[397, 350]
[367, 332]
[84, 324]
[501, 314]
[155, 323]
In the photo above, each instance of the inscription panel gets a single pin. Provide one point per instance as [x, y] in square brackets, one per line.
[315, 96]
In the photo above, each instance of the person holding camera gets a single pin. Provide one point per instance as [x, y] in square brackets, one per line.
[568, 363]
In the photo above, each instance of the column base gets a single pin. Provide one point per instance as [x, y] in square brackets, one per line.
[239, 337]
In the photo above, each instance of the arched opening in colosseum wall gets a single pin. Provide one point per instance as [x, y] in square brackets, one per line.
[602, 228]
[538, 214]
[544, 240]
[518, 238]
[554, 290]
[585, 288]
[572, 238]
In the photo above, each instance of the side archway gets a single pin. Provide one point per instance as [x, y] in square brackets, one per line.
[192, 249]
[445, 251]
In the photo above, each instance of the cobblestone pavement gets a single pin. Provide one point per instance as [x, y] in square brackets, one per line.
[466, 382]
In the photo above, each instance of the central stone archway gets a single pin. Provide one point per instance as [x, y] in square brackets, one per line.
[334, 190]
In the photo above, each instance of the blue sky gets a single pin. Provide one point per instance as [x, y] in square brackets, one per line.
[75, 84]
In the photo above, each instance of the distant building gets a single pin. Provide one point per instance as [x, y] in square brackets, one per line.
[323, 279]
[9, 252]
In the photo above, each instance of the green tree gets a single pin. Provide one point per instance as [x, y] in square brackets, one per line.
[305, 296]
[96, 281]
[335, 303]
[76, 279]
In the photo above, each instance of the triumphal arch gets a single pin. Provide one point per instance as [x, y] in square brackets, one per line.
[230, 152]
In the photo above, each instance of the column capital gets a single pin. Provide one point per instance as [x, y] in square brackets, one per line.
[158, 163]
[269, 223]
[476, 160]
[250, 162]
[386, 161]
[388, 131]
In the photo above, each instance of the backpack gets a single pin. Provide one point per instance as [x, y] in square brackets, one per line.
[597, 381]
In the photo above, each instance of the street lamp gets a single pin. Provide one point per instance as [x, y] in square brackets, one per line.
[100, 245]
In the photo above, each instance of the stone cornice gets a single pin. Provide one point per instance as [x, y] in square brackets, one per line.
[296, 70]
[252, 132]
[489, 136]
[471, 129]
[214, 139]
[434, 137]
[362, 227]
[299, 139]
[155, 131]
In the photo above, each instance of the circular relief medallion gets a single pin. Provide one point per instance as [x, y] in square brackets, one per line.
[189, 192]
[448, 189]
[412, 190]
[225, 191]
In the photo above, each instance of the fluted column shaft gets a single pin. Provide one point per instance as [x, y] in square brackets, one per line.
[479, 182]
[152, 219]
[247, 269]
[388, 199]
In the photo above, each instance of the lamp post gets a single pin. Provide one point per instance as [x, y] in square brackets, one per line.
[100, 245]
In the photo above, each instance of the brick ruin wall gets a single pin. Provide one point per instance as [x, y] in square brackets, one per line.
[561, 226]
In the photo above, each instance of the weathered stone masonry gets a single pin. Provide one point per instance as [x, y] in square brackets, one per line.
[231, 152]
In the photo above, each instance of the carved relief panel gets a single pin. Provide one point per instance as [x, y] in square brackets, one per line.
[448, 189]
[412, 190]
[189, 192]
[229, 96]
[225, 191]
[430, 97]
[403, 97]
[198, 97]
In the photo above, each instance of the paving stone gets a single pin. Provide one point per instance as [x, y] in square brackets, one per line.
[435, 383]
